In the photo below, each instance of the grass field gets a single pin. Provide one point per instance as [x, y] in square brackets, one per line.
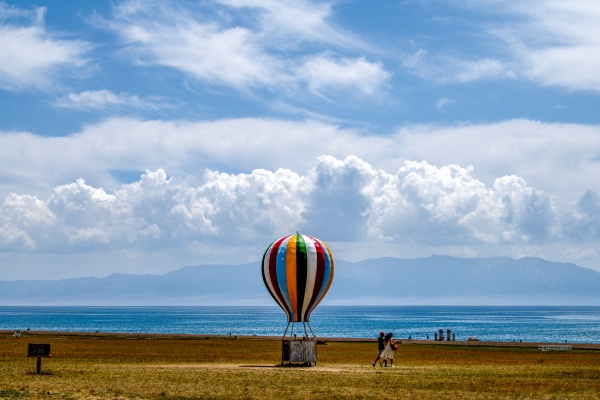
[137, 366]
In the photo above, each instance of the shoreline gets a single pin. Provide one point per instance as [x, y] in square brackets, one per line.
[8, 334]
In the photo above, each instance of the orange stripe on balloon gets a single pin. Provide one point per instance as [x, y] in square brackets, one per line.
[290, 276]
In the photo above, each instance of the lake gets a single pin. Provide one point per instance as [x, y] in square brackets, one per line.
[491, 323]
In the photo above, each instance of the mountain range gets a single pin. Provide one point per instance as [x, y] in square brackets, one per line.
[435, 280]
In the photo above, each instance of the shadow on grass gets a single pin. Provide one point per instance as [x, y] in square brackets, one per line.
[12, 394]
[40, 374]
[285, 366]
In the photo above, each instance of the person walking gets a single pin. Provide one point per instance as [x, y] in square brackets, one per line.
[380, 346]
[389, 349]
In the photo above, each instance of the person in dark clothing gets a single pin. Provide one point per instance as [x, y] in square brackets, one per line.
[380, 345]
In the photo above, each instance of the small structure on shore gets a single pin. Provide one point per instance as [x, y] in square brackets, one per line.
[298, 271]
[449, 336]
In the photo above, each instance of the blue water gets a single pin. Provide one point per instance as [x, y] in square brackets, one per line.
[506, 324]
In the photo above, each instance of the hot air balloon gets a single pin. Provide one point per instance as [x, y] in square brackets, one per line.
[298, 271]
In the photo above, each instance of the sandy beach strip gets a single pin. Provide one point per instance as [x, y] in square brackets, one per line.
[149, 336]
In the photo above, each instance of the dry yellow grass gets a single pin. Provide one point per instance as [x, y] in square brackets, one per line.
[120, 366]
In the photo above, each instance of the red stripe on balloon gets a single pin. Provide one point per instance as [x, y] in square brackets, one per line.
[273, 275]
[318, 278]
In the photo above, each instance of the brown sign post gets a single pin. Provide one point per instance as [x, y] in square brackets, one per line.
[38, 350]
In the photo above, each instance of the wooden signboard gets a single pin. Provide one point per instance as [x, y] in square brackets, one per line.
[38, 350]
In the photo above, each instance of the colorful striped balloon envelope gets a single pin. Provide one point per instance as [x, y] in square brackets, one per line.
[297, 271]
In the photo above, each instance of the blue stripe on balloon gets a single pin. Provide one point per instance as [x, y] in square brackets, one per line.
[281, 276]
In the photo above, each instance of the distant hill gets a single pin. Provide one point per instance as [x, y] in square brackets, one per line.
[440, 280]
[435, 280]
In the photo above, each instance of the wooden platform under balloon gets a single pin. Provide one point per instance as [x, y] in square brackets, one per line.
[300, 351]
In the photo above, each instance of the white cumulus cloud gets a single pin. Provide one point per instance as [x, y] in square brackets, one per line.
[339, 200]
[516, 187]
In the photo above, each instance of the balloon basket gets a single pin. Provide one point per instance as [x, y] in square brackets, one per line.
[298, 350]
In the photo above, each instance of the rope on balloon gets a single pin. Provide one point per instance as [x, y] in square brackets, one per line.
[306, 336]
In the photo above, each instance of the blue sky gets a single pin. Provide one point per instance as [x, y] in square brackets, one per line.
[142, 136]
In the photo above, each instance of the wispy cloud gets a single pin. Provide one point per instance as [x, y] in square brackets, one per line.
[255, 55]
[30, 56]
[557, 44]
[105, 100]
[451, 68]
[325, 74]
[287, 24]
[207, 50]
[443, 103]
[549, 42]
